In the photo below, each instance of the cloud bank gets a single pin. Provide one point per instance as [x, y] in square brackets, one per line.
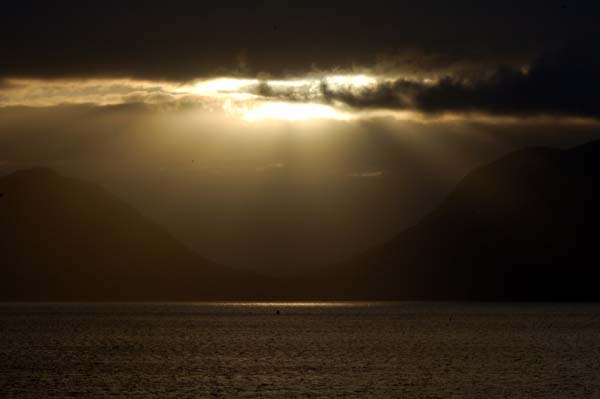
[564, 82]
[184, 40]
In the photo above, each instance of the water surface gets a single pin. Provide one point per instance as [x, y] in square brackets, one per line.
[350, 350]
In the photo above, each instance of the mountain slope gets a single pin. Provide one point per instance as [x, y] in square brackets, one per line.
[522, 228]
[65, 239]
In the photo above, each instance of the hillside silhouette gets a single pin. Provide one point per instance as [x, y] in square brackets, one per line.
[66, 239]
[521, 228]
[524, 227]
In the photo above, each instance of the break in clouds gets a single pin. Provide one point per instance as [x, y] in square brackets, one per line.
[560, 83]
[563, 82]
[193, 118]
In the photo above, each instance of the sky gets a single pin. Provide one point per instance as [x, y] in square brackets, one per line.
[277, 135]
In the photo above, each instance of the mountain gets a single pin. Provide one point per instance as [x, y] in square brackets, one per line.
[66, 239]
[521, 228]
[524, 227]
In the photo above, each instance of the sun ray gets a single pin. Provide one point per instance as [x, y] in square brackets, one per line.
[293, 112]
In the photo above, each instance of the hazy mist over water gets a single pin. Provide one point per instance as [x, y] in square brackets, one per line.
[413, 350]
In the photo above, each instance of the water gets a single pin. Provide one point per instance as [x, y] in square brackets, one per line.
[349, 350]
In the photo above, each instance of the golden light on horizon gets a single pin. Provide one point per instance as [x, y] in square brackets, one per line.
[293, 112]
[240, 100]
[357, 81]
[215, 87]
[246, 99]
[293, 99]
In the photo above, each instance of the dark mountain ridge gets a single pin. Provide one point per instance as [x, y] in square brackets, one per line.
[66, 239]
[524, 227]
[521, 228]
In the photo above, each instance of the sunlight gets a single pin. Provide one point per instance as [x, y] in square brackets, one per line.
[293, 112]
[296, 305]
[351, 80]
[291, 83]
[228, 86]
[217, 86]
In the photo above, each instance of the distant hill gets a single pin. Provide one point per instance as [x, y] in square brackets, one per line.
[66, 239]
[526, 227]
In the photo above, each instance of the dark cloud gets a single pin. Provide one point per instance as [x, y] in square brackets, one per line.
[562, 82]
[565, 82]
[181, 40]
[390, 95]
[285, 93]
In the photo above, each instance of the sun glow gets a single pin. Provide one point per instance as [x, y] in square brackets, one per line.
[293, 112]
[294, 99]
[244, 98]
[357, 81]
[213, 87]
[254, 106]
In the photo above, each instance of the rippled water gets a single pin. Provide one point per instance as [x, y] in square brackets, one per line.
[384, 350]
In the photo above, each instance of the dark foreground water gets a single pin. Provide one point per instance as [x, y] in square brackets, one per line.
[361, 350]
